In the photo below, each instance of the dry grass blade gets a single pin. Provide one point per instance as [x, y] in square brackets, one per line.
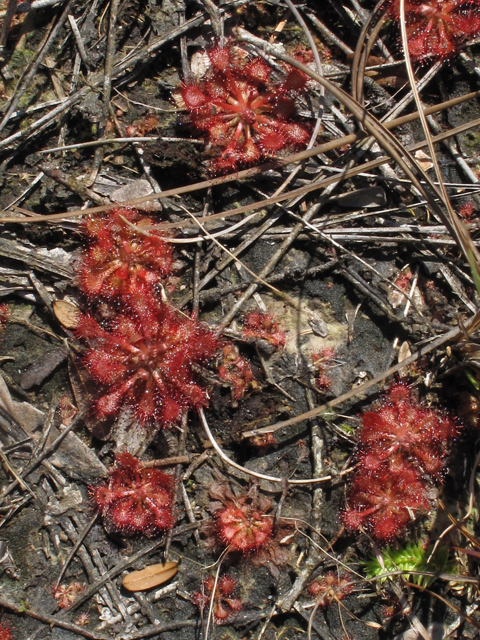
[362, 53]
[258, 170]
[390, 143]
[462, 528]
[446, 602]
[457, 227]
[249, 472]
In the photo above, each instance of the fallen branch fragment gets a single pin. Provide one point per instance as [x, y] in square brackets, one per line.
[51, 620]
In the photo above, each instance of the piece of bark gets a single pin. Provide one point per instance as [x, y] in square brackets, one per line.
[43, 367]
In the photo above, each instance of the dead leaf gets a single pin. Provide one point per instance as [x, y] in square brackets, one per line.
[131, 191]
[403, 353]
[424, 160]
[26, 416]
[66, 313]
[150, 577]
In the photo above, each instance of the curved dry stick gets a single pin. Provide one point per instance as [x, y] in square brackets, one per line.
[206, 236]
[460, 231]
[301, 191]
[249, 472]
[362, 53]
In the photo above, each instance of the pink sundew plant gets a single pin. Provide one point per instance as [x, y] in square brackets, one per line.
[438, 28]
[122, 257]
[402, 449]
[135, 499]
[225, 605]
[146, 362]
[244, 114]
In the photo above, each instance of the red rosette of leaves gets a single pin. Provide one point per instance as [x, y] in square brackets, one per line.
[146, 361]
[383, 502]
[403, 428]
[402, 448]
[243, 528]
[437, 28]
[244, 114]
[135, 499]
[123, 257]
[235, 370]
[241, 523]
[322, 362]
[65, 595]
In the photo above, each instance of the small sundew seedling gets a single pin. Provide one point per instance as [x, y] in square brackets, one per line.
[322, 362]
[330, 587]
[235, 370]
[243, 528]
[65, 595]
[225, 606]
[242, 524]
[5, 632]
[263, 325]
